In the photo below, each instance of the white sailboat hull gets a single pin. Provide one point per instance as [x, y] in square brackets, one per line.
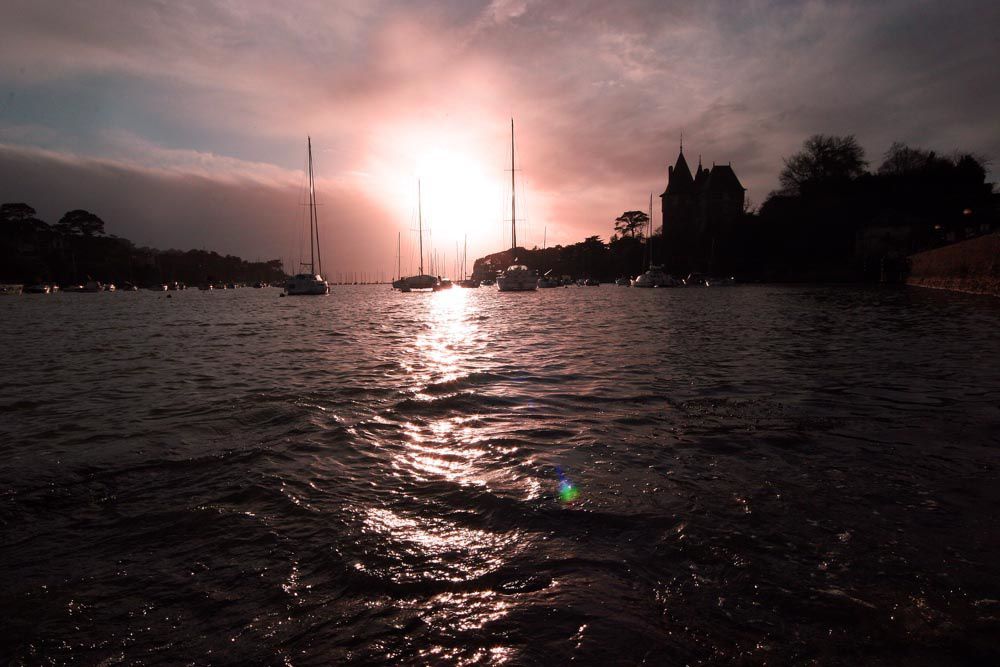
[517, 279]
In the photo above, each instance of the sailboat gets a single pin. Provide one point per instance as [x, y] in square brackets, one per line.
[466, 281]
[311, 283]
[654, 275]
[517, 277]
[421, 281]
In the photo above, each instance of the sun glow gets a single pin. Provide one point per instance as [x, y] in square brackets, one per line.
[461, 177]
[459, 197]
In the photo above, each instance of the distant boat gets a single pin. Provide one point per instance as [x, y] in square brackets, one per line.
[312, 283]
[38, 289]
[421, 281]
[11, 290]
[517, 277]
[466, 281]
[547, 281]
[654, 276]
[697, 280]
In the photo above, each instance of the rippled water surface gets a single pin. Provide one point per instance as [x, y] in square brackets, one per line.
[716, 476]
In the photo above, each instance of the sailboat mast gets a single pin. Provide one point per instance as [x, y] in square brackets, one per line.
[399, 256]
[465, 257]
[420, 228]
[513, 206]
[649, 239]
[312, 209]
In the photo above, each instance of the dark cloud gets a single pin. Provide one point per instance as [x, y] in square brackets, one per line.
[242, 216]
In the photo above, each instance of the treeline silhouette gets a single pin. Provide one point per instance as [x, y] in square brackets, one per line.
[76, 249]
[832, 219]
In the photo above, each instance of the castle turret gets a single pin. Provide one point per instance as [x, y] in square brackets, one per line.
[678, 206]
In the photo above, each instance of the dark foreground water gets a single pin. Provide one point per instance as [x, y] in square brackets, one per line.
[762, 474]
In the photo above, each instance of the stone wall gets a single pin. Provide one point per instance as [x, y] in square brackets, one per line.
[968, 266]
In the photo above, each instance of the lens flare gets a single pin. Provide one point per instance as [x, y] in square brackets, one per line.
[568, 491]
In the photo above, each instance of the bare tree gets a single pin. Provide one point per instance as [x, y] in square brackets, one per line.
[822, 162]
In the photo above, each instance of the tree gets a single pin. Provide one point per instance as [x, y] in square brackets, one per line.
[18, 212]
[20, 216]
[630, 222]
[81, 223]
[823, 162]
[901, 159]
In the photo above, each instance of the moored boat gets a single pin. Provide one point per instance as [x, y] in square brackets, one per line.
[548, 281]
[311, 283]
[466, 281]
[422, 281]
[517, 277]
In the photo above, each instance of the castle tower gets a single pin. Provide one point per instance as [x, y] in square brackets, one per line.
[679, 205]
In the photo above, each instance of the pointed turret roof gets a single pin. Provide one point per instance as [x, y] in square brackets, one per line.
[723, 179]
[680, 180]
[700, 177]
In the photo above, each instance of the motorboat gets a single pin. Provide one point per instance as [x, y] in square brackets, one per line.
[547, 281]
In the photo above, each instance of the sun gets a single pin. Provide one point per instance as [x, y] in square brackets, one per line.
[463, 186]
[459, 196]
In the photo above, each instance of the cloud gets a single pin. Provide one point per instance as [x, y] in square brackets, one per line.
[236, 212]
[223, 94]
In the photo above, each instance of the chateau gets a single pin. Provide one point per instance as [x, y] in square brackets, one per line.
[699, 217]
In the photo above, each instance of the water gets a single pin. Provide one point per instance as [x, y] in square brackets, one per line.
[761, 474]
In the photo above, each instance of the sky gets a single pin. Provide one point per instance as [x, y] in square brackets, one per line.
[183, 124]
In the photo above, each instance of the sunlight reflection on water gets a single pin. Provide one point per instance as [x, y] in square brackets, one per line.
[469, 477]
